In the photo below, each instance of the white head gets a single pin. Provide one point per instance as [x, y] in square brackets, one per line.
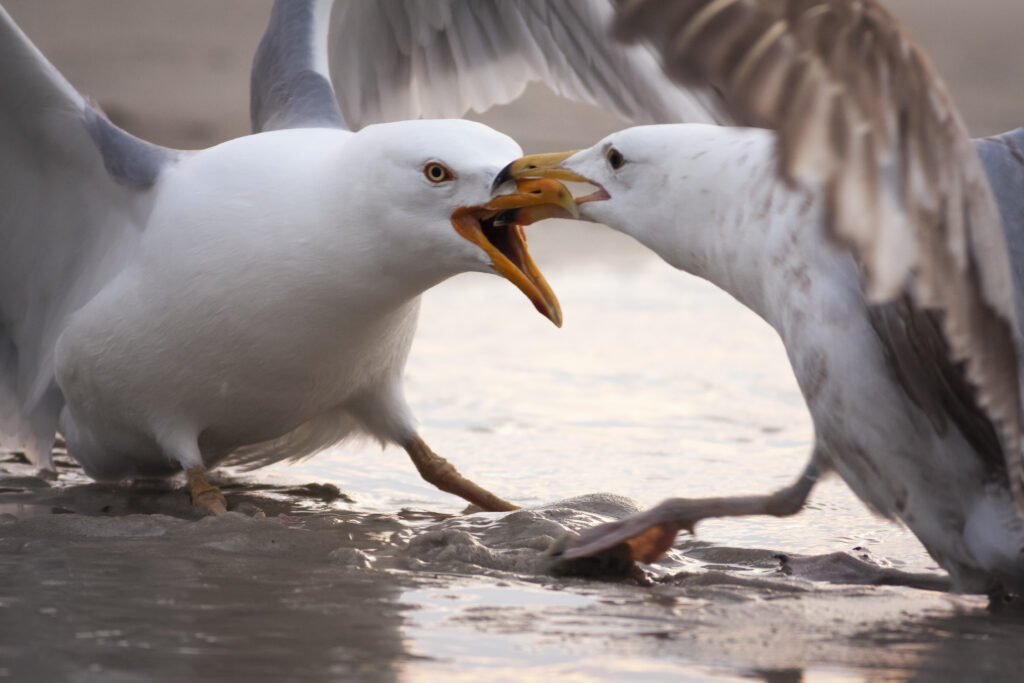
[627, 160]
[653, 183]
[427, 185]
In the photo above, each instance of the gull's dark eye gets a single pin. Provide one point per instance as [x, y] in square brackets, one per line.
[615, 158]
[437, 173]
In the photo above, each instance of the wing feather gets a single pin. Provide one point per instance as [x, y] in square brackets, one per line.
[74, 194]
[393, 60]
[863, 117]
[290, 86]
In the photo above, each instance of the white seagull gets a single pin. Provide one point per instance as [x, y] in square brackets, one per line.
[253, 302]
[862, 228]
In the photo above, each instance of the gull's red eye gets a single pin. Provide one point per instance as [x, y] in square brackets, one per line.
[437, 173]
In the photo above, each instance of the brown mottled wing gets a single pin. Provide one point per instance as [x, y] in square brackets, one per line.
[862, 116]
[919, 358]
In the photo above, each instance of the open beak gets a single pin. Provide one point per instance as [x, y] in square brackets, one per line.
[497, 228]
[547, 166]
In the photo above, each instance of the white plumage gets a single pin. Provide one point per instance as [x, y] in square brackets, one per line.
[255, 300]
[260, 299]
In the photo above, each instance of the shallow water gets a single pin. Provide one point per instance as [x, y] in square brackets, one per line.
[657, 385]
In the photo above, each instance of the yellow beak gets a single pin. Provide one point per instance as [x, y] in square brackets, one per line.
[538, 166]
[536, 196]
[496, 227]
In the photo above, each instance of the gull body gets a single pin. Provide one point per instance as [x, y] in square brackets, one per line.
[731, 221]
[274, 309]
[256, 301]
[167, 310]
[859, 221]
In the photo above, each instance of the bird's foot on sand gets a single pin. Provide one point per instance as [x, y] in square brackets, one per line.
[204, 494]
[643, 537]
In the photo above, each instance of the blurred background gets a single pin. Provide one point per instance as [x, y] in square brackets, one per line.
[177, 73]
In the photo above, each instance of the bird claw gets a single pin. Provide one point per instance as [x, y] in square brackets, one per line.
[644, 542]
[212, 500]
[204, 494]
[612, 561]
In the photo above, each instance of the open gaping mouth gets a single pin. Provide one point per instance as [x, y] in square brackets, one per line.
[497, 228]
[598, 195]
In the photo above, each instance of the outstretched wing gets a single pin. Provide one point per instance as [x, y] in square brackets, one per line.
[1003, 158]
[74, 195]
[394, 59]
[862, 116]
[290, 85]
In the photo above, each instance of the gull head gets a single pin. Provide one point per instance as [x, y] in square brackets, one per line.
[631, 169]
[432, 179]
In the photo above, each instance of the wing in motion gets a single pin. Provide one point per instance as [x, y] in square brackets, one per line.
[862, 115]
[394, 60]
[74, 195]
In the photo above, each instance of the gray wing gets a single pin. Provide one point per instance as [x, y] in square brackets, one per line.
[1003, 159]
[396, 59]
[74, 194]
[862, 116]
[290, 85]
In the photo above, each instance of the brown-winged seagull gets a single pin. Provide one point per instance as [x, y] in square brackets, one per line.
[862, 227]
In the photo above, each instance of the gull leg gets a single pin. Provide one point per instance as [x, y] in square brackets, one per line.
[650, 533]
[442, 474]
[845, 568]
[204, 494]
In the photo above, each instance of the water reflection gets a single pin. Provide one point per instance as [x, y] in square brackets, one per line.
[157, 598]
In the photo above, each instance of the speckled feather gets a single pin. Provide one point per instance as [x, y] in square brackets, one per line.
[861, 114]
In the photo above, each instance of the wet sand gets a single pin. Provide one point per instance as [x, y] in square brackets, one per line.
[385, 579]
[113, 583]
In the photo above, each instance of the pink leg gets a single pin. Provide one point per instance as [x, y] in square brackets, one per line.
[650, 533]
[442, 474]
